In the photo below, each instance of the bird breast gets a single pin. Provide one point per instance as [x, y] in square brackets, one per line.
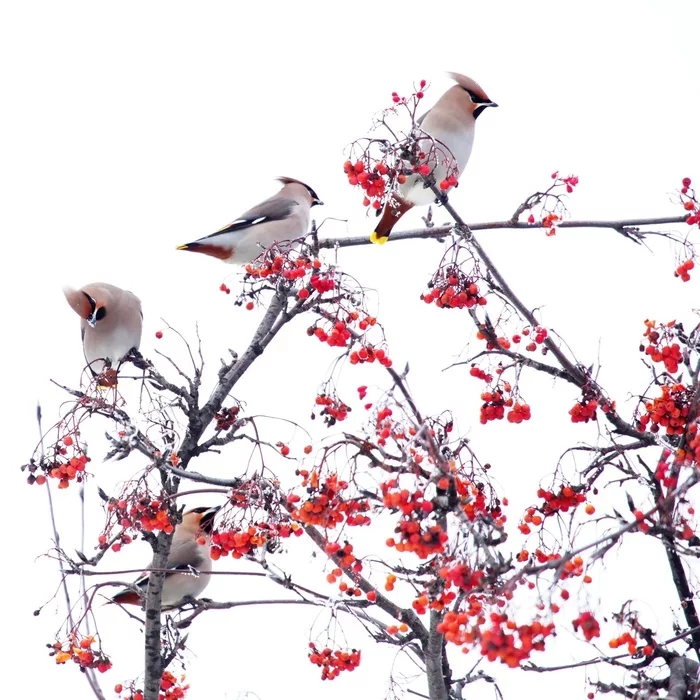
[446, 149]
[110, 341]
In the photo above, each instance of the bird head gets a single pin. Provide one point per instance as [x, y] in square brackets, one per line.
[479, 99]
[310, 193]
[201, 518]
[87, 303]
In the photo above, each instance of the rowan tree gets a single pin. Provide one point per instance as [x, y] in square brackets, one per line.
[416, 544]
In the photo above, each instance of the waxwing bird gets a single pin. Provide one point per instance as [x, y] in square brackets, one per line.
[189, 563]
[111, 323]
[449, 124]
[282, 217]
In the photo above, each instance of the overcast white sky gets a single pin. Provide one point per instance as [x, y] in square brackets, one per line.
[129, 128]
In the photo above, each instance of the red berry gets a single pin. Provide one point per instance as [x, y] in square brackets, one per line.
[159, 334]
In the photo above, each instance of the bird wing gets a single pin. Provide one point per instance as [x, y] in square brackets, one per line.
[272, 209]
[420, 119]
[184, 556]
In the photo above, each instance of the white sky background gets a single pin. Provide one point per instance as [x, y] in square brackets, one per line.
[129, 128]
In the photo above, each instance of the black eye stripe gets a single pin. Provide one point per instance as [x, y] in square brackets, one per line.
[101, 313]
[475, 98]
[91, 302]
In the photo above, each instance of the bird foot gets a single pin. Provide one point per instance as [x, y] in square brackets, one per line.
[137, 359]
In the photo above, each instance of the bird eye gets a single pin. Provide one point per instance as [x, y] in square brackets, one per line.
[100, 313]
[475, 98]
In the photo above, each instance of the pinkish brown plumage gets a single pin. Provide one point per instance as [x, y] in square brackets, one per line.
[449, 126]
[111, 323]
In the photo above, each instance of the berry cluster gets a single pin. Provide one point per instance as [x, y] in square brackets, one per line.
[289, 265]
[661, 345]
[368, 353]
[586, 407]
[549, 222]
[240, 542]
[341, 333]
[333, 662]
[58, 465]
[135, 512]
[384, 425]
[690, 454]
[567, 498]
[141, 513]
[417, 531]
[632, 644]
[451, 288]
[472, 499]
[415, 97]
[536, 337]
[404, 500]
[670, 411]
[690, 202]
[568, 182]
[418, 537]
[667, 474]
[325, 505]
[683, 270]
[551, 202]
[510, 643]
[497, 400]
[462, 576]
[372, 179]
[588, 624]
[480, 374]
[171, 688]
[334, 410]
[226, 418]
[81, 651]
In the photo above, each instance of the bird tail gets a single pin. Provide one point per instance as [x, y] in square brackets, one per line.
[393, 211]
[126, 597]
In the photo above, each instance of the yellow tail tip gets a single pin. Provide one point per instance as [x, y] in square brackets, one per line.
[184, 246]
[379, 240]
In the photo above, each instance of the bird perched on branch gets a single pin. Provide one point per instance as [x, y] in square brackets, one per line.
[282, 217]
[189, 562]
[445, 134]
[111, 323]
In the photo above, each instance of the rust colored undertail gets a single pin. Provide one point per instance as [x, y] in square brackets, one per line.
[392, 212]
[127, 598]
[215, 251]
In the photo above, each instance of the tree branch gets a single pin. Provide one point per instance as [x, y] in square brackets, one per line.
[620, 225]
